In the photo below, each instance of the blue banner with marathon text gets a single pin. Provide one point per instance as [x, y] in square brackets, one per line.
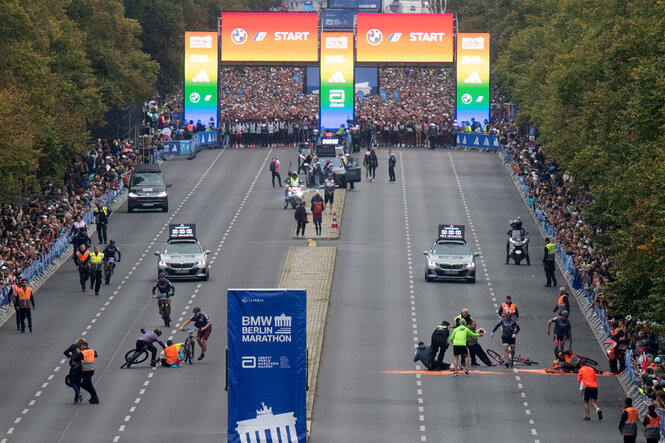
[267, 365]
[337, 19]
[480, 141]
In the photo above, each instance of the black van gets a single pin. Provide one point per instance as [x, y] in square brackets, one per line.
[147, 189]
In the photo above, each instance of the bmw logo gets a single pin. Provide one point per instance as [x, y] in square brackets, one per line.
[194, 97]
[466, 99]
[374, 37]
[238, 36]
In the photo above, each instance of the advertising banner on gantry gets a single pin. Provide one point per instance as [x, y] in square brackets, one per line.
[337, 82]
[269, 37]
[201, 67]
[404, 38]
[473, 77]
[267, 373]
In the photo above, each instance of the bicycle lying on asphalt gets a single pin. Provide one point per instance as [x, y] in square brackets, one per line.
[134, 357]
[500, 359]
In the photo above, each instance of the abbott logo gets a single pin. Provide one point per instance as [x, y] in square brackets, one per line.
[239, 36]
[260, 36]
[248, 362]
[374, 37]
[336, 98]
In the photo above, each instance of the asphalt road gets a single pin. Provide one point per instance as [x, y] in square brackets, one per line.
[367, 389]
[373, 317]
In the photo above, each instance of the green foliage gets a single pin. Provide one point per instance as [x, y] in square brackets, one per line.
[591, 74]
[65, 63]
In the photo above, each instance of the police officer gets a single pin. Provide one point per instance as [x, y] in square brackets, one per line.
[101, 219]
[628, 422]
[75, 369]
[87, 363]
[508, 305]
[96, 268]
[82, 260]
[439, 345]
[23, 298]
[548, 263]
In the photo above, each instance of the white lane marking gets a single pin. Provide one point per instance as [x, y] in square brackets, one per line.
[520, 386]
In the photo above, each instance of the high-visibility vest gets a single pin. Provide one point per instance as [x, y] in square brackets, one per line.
[572, 359]
[15, 288]
[171, 353]
[24, 295]
[508, 307]
[96, 260]
[630, 426]
[82, 257]
[550, 251]
[562, 302]
[652, 429]
[88, 360]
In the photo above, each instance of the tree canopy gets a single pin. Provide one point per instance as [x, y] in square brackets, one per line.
[591, 75]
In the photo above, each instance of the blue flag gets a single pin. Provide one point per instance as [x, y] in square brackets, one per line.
[361, 95]
[384, 96]
[396, 95]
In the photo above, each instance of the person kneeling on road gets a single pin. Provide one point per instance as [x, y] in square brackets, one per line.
[145, 342]
[475, 350]
[423, 355]
[171, 355]
[439, 344]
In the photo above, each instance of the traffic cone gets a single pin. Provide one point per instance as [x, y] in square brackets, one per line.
[334, 222]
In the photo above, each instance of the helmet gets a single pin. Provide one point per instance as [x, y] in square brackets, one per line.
[162, 274]
[111, 242]
[564, 313]
[196, 309]
[158, 331]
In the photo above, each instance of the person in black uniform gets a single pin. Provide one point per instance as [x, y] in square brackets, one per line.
[73, 380]
[101, 219]
[548, 263]
[439, 344]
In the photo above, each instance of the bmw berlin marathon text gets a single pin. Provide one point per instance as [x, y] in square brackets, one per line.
[266, 329]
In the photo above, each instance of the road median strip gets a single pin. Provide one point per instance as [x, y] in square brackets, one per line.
[311, 268]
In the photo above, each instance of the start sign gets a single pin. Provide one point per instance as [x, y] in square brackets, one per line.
[182, 231]
[451, 232]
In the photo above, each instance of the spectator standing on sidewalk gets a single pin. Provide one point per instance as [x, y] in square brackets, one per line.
[392, 161]
[274, 168]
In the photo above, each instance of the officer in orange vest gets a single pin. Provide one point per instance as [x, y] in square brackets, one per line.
[171, 357]
[563, 302]
[87, 363]
[652, 425]
[628, 423]
[82, 260]
[508, 305]
[13, 291]
[23, 298]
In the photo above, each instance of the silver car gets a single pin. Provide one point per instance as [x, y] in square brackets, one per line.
[450, 259]
[183, 258]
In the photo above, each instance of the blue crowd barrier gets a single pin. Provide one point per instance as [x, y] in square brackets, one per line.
[176, 148]
[475, 140]
[59, 246]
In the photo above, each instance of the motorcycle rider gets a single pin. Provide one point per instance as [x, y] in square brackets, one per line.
[291, 181]
[515, 225]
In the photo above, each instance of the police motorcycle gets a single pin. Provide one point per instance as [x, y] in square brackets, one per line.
[294, 192]
[517, 245]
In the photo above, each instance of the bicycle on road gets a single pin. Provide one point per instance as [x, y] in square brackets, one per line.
[109, 267]
[189, 346]
[164, 308]
[135, 357]
[500, 359]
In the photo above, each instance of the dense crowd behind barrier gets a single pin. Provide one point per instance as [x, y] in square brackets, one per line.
[561, 215]
[33, 234]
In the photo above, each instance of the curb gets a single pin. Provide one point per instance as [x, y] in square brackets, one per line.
[592, 320]
[38, 280]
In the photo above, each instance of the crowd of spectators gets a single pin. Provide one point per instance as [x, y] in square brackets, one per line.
[30, 229]
[564, 211]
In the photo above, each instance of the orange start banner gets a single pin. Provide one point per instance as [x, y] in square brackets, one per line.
[269, 37]
[404, 38]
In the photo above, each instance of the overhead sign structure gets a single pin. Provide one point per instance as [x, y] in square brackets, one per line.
[473, 77]
[267, 373]
[404, 38]
[201, 68]
[337, 79]
[269, 37]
